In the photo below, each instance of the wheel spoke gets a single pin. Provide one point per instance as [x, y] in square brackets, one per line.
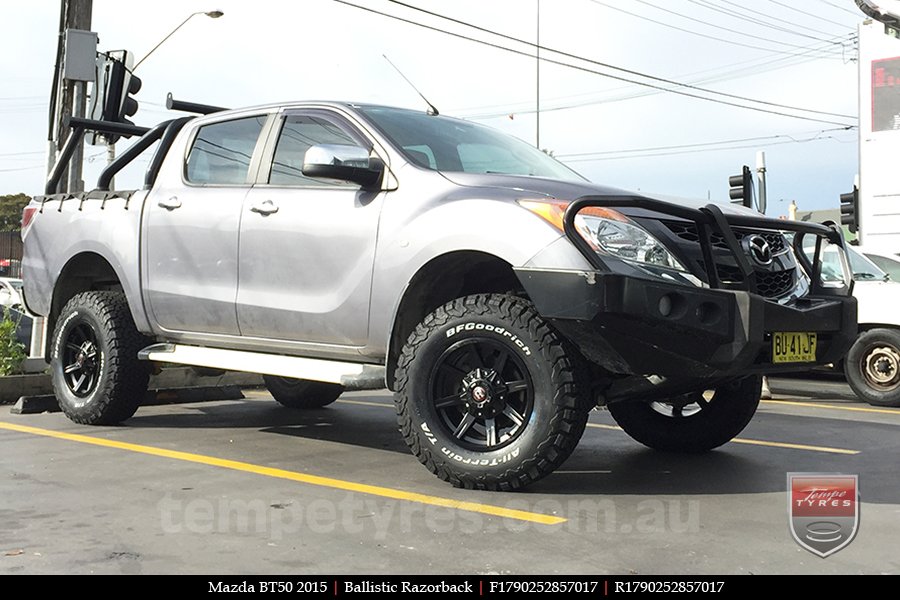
[73, 346]
[71, 368]
[472, 351]
[677, 410]
[490, 428]
[702, 402]
[513, 415]
[464, 425]
[516, 386]
[76, 384]
[451, 371]
[448, 401]
[500, 362]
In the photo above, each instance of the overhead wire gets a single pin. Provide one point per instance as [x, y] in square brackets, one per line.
[601, 64]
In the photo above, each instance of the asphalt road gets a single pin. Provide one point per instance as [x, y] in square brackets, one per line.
[249, 487]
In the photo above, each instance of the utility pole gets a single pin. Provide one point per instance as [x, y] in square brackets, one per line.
[537, 90]
[761, 181]
[68, 97]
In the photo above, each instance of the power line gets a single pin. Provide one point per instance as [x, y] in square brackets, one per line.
[728, 69]
[803, 12]
[748, 71]
[774, 18]
[702, 144]
[697, 33]
[743, 16]
[846, 10]
[601, 64]
[707, 23]
[22, 168]
[700, 150]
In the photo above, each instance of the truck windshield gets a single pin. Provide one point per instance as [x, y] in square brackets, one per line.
[447, 144]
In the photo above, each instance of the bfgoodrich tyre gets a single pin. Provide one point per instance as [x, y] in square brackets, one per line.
[97, 377]
[488, 396]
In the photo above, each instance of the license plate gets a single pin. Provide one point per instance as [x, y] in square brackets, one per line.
[793, 346]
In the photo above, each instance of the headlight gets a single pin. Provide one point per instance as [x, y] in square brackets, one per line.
[611, 233]
[616, 235]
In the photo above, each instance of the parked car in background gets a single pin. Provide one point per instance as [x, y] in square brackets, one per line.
[872, 365]
[887, 261]
[10, 291]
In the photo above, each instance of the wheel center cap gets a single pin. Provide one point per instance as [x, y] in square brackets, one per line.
[479, 394]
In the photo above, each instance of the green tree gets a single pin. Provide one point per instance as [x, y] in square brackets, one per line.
[11, 206]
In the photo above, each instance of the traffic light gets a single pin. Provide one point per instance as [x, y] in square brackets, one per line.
[850, 210]
[741, 188]
[119, 87]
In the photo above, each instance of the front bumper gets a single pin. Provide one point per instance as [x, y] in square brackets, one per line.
[635, 326]
[642, 325]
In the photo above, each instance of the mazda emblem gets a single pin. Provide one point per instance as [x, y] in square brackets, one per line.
[758, 249]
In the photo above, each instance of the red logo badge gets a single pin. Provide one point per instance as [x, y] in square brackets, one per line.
[823, 510]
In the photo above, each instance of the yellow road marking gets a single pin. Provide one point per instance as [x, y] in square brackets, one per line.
[602, 426]
[760, 442]
[340, 484]
[382, 404]
[827, 449]
[885, 411]
[788, 445]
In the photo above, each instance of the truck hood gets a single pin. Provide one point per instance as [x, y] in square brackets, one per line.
[571, 190]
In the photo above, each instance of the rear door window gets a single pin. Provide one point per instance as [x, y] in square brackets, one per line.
[222, 152]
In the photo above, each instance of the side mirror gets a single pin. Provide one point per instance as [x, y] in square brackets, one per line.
[344, 162]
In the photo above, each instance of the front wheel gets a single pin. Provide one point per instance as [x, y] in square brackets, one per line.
[695, 422]
[488, 397]
[872, 367]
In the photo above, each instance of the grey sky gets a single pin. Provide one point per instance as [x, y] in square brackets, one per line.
[272, 50]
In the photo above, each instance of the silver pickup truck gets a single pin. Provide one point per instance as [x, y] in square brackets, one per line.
[499, 294]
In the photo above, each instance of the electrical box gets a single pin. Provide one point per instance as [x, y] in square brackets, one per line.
[81, 55]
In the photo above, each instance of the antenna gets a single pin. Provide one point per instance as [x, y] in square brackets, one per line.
[431, 108]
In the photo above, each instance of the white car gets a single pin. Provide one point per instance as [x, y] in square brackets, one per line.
[10, 292]
[872, 365]
[887, 261]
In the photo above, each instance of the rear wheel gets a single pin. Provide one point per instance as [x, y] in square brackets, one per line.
[694, 422]
[488, 397]
[97, 377]
[302, 393]
[872, 367]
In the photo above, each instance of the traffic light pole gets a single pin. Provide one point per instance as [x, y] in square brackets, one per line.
[761, 181]
[74, 14]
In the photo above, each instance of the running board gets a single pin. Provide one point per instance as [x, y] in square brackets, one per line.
[353, 376]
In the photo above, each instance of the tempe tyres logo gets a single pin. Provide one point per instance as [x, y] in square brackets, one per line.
[823, 510]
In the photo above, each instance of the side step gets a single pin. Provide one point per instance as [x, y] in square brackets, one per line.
[353, 376]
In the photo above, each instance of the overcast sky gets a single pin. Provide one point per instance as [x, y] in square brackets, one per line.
[796, 53]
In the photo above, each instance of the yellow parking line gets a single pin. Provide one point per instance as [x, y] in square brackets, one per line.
[885, 411]
[361, 403]
[795, 446]
[373, 490]
[760, 443]
[826, 449]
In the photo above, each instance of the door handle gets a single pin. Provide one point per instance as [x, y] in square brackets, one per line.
[266, 207]
[170, 204]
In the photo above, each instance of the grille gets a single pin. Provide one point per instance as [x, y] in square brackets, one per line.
[770, 284]
[775, 284]
[688, 232]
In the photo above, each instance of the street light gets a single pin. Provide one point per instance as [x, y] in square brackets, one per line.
[213, 14]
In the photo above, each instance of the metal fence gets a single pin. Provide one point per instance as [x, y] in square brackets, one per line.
[10, 254]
